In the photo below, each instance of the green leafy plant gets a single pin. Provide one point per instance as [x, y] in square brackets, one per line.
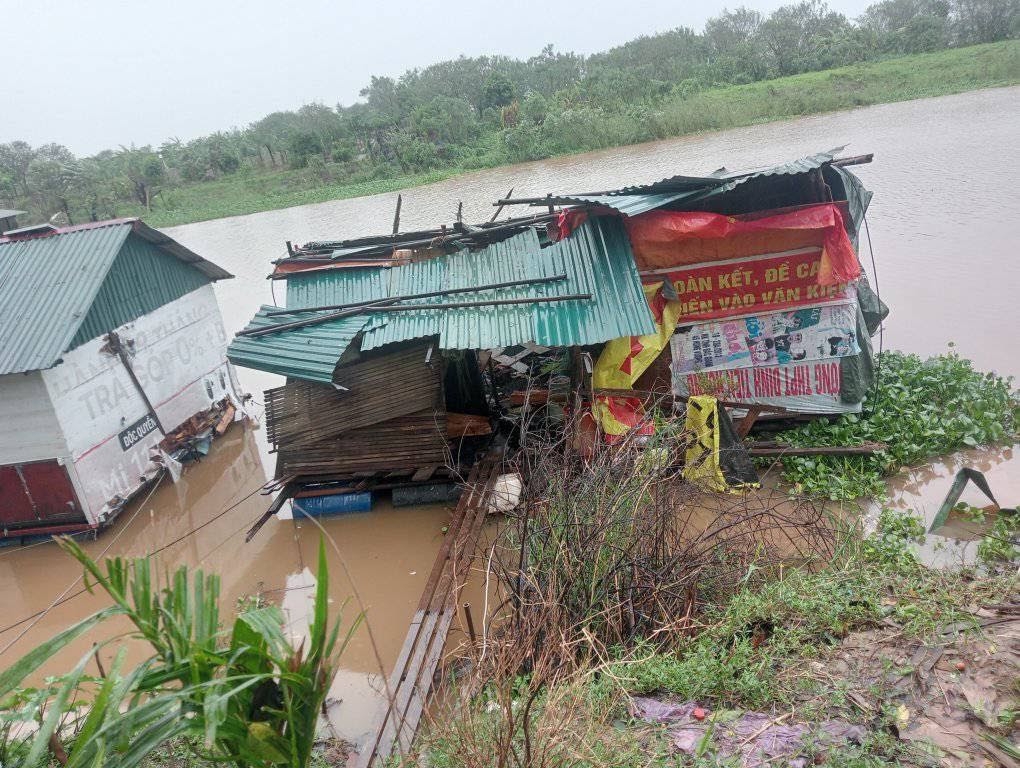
[919, 409]
[890, 545]
[999, 544]
[245, 696]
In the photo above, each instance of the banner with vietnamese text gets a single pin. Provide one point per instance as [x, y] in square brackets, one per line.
[809, 387]
[763, 283]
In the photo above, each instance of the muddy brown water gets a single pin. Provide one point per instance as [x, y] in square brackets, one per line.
[941, 226]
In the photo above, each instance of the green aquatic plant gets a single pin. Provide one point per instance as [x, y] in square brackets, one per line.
[920, 409]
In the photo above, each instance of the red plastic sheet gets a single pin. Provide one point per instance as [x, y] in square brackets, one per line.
[655, 235]
[568, 221]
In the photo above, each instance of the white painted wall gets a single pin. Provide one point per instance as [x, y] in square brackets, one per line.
[29, 429]
[179, 357]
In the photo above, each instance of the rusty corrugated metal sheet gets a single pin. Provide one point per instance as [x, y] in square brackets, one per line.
[400, 445]
[390, 417]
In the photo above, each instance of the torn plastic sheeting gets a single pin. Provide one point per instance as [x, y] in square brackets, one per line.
[756, 739]
[654, 236]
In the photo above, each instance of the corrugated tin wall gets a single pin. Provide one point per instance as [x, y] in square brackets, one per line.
[142, 279]
[29, 430]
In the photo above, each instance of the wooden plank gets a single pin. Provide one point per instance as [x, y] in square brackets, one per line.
[225, 420]
[422, 686]
[419, 657]
[773, 449]
[423, 474]
[745, 424]
[393, 719]
[467, 425]
[285, 493]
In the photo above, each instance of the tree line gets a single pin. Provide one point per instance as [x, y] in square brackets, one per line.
[477, 112]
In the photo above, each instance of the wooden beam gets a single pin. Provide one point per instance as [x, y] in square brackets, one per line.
[285, 493]
[396, 216]
[774, 449]
[745, 424]
[855, 160]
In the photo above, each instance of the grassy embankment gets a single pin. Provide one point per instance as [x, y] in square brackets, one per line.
[862, 632]
[899, 79]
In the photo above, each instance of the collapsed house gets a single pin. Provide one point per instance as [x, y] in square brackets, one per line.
[403, 352]
[112, 358]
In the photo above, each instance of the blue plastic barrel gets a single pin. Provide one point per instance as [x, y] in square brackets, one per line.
[334, 504]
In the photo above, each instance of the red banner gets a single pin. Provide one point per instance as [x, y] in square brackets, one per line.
[664, 238]
[751, 286]
[747, 384]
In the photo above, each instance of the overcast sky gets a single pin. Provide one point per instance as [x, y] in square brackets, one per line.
[93, 74]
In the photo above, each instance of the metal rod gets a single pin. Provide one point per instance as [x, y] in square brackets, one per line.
[285, 493]
[412, 296]
[499, 209]
[118, 349]
[470, 623]
[396, 216]
[407, 308]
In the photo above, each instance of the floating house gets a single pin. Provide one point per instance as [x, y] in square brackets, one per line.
[110, 340]
[402, 352]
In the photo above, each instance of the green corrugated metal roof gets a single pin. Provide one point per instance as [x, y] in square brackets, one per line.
[337, 286]
[596, 259]
[305, 353]
[142, 279]
[48, 285]
[632, 201]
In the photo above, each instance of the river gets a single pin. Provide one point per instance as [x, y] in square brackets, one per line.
[946, 199]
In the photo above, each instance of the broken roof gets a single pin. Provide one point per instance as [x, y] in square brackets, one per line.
[633, 200]
[48, 283]
[595, 260]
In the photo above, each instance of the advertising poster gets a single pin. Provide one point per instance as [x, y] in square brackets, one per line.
[776, 338]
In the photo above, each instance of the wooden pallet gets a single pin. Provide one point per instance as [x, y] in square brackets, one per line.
[411, 680]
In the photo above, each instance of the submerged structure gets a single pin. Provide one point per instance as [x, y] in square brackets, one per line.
[112, 358]
[403, 353]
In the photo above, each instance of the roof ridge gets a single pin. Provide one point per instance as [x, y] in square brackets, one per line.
[87, 226]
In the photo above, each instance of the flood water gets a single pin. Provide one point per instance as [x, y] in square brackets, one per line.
[941, 226]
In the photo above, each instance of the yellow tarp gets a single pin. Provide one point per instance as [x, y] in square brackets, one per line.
[623, 361]
[701, 460]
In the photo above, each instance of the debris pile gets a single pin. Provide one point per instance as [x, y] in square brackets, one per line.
[406, 353]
